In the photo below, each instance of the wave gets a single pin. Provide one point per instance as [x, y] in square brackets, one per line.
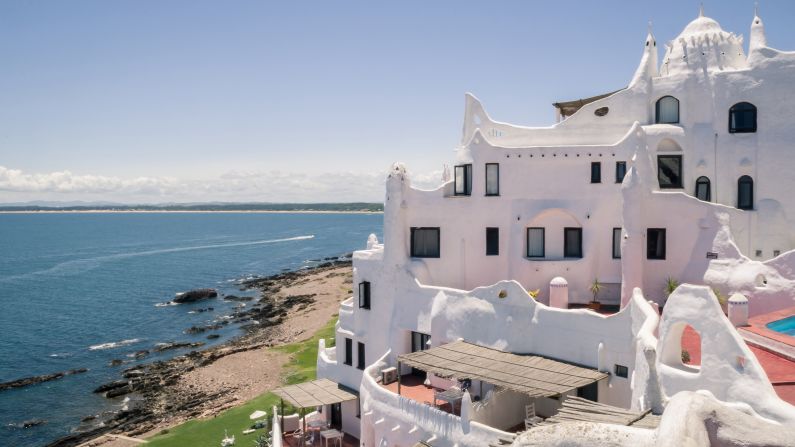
[115, 344]
[78, 266]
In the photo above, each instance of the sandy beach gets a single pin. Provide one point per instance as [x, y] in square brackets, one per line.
[247, 367]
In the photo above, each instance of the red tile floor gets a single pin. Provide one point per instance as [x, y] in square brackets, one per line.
[413, 388]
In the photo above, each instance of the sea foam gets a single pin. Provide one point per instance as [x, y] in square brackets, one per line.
[115, 344]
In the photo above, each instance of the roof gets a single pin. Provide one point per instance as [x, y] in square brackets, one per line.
[577, 409]
[529, 374]
[314, 393]
[568, 108]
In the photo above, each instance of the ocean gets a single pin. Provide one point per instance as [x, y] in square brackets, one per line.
[80, 290]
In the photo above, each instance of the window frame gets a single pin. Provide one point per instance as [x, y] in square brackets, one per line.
[348, 360]
[496, 247]
[566, 231]
[623, 165]
[486, 175]
[657, 110]
[364, 299]
[700, 181]
[613, 247]
[750, 182]
[438, 242]
[656, 257]
[681, 171]
[543, 243]
[360, 355]
[596, 174]
[621, 371]
[752, 111]
[467, 185]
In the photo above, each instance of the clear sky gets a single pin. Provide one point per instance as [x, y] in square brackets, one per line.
[159, 101]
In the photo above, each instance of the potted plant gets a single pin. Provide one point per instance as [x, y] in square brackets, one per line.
[534, 293]
[595, 288]
[670, 285]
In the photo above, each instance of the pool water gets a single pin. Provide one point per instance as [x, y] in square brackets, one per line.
[785, 326]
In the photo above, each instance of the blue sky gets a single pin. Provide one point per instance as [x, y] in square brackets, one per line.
[150, 101]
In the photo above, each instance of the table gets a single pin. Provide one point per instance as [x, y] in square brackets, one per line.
[331, 434]
[450, 396]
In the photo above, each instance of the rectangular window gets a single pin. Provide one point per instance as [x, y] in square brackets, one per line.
[492, 241]
[621, 171]
[621, 371]
[419, 341]
[358, 408]
[348, 351]
[364, 295]
[492, 179]
[360, 355]
[572, 242]
[463, 180]
[616, 243]
[535, 243]
[669, 171]
[425, 242]
[655, 243]
[596, 172]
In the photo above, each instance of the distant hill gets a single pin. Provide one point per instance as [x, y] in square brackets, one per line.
[337, 207]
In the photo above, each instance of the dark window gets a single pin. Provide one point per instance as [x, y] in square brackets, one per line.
[535, 242]
[667, 110]
[360, 355]
[492, 179]
[655, 243]
[364, 294]
[622, 371]
[745, 193]
[348, 351]
[463, 180]
[616, 243]
[358, 408]
[419, 341]
[492, 241]
[742, 118]
[424, 242]
[596, 172]
[703, 189]
[590, 392]
[621, 171]
[572, 242]
[669, 171]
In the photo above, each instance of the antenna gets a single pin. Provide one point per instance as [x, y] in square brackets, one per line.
[701, 10]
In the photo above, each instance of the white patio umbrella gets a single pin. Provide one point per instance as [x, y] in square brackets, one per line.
[259, 414]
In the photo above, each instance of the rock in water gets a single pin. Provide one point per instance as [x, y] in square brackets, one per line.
[39, 379]
[195, 295]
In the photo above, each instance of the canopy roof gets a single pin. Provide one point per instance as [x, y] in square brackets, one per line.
[314, 393]
[529, 374]
[576, 409]
[568, 108]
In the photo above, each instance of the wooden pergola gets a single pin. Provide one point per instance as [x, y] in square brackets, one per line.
[529, 374]
[312, 394]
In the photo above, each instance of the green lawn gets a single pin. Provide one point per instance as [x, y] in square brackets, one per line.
[208, 432]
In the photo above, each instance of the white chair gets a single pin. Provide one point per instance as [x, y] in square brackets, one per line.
[530, 418]
[291, 425]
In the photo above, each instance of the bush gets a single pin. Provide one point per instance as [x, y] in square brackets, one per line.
[685, 356]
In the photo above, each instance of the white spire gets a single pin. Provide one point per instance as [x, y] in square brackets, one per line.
[758, 39]
[701, 10]
[647, 68]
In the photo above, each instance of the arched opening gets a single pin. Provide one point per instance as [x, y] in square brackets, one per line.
[682, 348]
[703, 190]
[742, 118]
[745, 193]
[667, 110]
[691, 347]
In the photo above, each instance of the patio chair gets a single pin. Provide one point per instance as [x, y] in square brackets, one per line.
[530, 418]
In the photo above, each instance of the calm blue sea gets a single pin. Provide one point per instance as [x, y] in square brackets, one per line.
[79, 290]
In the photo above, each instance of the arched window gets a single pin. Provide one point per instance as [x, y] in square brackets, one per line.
[745, 193]
[703, 189]
[742, 118]
[667, 110]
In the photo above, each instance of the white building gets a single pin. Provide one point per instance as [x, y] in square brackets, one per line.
[683, 174]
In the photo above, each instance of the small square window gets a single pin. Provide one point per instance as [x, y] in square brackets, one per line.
[425, 242]
[596, 172]
[776, 253]
[492, 241]
[655, 243]
[621, 371]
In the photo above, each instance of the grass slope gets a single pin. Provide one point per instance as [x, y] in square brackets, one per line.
[208, 432]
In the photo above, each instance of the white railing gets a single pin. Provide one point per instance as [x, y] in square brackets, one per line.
[276, 436]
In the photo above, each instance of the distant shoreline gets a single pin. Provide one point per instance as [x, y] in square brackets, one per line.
[133, 211]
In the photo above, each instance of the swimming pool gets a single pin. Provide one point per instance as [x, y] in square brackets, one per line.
[785, 326]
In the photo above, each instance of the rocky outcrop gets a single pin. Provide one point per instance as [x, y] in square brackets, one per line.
[20, 383]
[195, 295]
